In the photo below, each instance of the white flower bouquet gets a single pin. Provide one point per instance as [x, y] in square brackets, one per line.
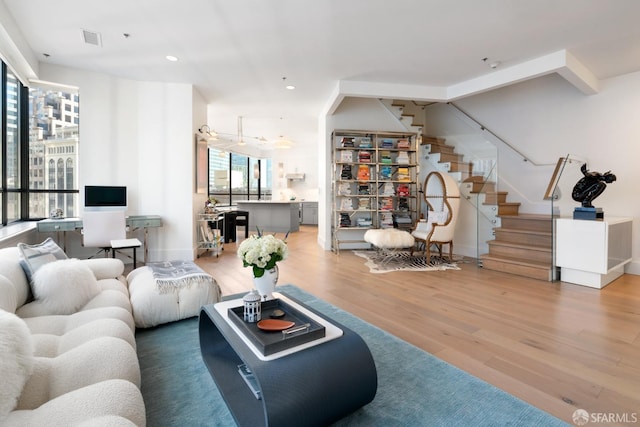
[262, 253]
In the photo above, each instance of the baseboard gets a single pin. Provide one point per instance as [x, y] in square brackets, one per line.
[632, 268]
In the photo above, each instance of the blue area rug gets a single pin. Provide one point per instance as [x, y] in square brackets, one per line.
[414, 387]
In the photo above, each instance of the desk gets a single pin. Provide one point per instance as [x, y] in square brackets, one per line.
[134, 222]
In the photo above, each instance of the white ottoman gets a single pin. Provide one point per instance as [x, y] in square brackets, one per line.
[389, 238]
[153, 304]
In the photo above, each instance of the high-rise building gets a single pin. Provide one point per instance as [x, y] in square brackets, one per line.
[53, 150]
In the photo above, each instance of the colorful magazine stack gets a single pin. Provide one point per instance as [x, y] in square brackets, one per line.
[344, 188]
[363, 173]
[386, 204]
[385, 172]
[385, 157]
[365, 142]
[403, 190]
[347, 141]
[403, 158]
[364, 157]
[345, 220]
[402, 220]
[346, 172]
[346, 204]
[387, 189]
[363, 222]
[386, 220]
[387, 143]
[404, 144]
[346, 156]
[403, 175]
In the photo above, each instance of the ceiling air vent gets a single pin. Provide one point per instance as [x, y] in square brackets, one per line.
[91, 37]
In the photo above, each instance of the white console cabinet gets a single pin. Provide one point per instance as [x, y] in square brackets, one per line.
[592, 253]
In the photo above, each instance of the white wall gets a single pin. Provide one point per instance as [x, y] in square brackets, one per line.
[140, 134]
[547, 118]
[300, 158]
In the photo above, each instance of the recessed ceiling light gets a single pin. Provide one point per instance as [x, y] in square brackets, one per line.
[171, 58]
[290, 87]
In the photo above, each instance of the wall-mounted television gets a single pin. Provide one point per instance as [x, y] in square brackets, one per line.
[99, 196]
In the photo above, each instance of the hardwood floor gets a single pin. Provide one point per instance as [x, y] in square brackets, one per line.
[558, 346]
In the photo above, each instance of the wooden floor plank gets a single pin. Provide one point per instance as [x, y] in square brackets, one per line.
[558, 346]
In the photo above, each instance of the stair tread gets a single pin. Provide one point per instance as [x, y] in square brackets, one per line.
[519, 245]
[500, 204]
[523, 231]
[527, 216]
[514, 260]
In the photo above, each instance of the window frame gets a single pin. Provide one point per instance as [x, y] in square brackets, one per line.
[21, 186]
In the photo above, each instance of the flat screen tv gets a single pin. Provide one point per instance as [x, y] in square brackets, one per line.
[97, 196]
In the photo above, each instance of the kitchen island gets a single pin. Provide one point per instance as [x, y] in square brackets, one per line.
[272, 216]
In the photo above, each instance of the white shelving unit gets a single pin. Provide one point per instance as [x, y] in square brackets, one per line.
[374, 184]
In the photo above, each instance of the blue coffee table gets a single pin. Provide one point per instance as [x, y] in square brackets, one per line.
[315, 384]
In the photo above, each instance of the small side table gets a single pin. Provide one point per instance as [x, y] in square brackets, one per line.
[125, 244]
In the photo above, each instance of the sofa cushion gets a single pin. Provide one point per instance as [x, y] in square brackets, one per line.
[101, 359]
[32, 257]
[49, 345]
[16, 360]
[105, 268]
[81, 407]
[62, 324]
[64, 286]
[8, 295]
[11, 269]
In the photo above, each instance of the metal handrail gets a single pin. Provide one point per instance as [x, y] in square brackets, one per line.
[493, 135]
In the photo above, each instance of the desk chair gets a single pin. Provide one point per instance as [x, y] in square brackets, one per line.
[107, 230]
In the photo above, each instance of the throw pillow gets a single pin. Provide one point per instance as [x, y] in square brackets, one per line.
[16, 360]
[33, 257]
[64, 286]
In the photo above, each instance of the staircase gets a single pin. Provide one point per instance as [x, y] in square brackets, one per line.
[444, 155]
[523, 246]
[523, 243]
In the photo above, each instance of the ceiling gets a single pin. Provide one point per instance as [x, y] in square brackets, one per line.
[240, 54]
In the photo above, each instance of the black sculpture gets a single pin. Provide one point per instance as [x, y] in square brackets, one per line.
[590, 186]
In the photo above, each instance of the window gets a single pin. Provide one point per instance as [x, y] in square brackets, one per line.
[38, 158]
[233, 177]
[10, 147]
[53, 141]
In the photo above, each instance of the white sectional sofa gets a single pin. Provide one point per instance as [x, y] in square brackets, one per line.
[67, 344]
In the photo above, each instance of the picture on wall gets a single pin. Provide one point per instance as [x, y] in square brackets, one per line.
[202, 162]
